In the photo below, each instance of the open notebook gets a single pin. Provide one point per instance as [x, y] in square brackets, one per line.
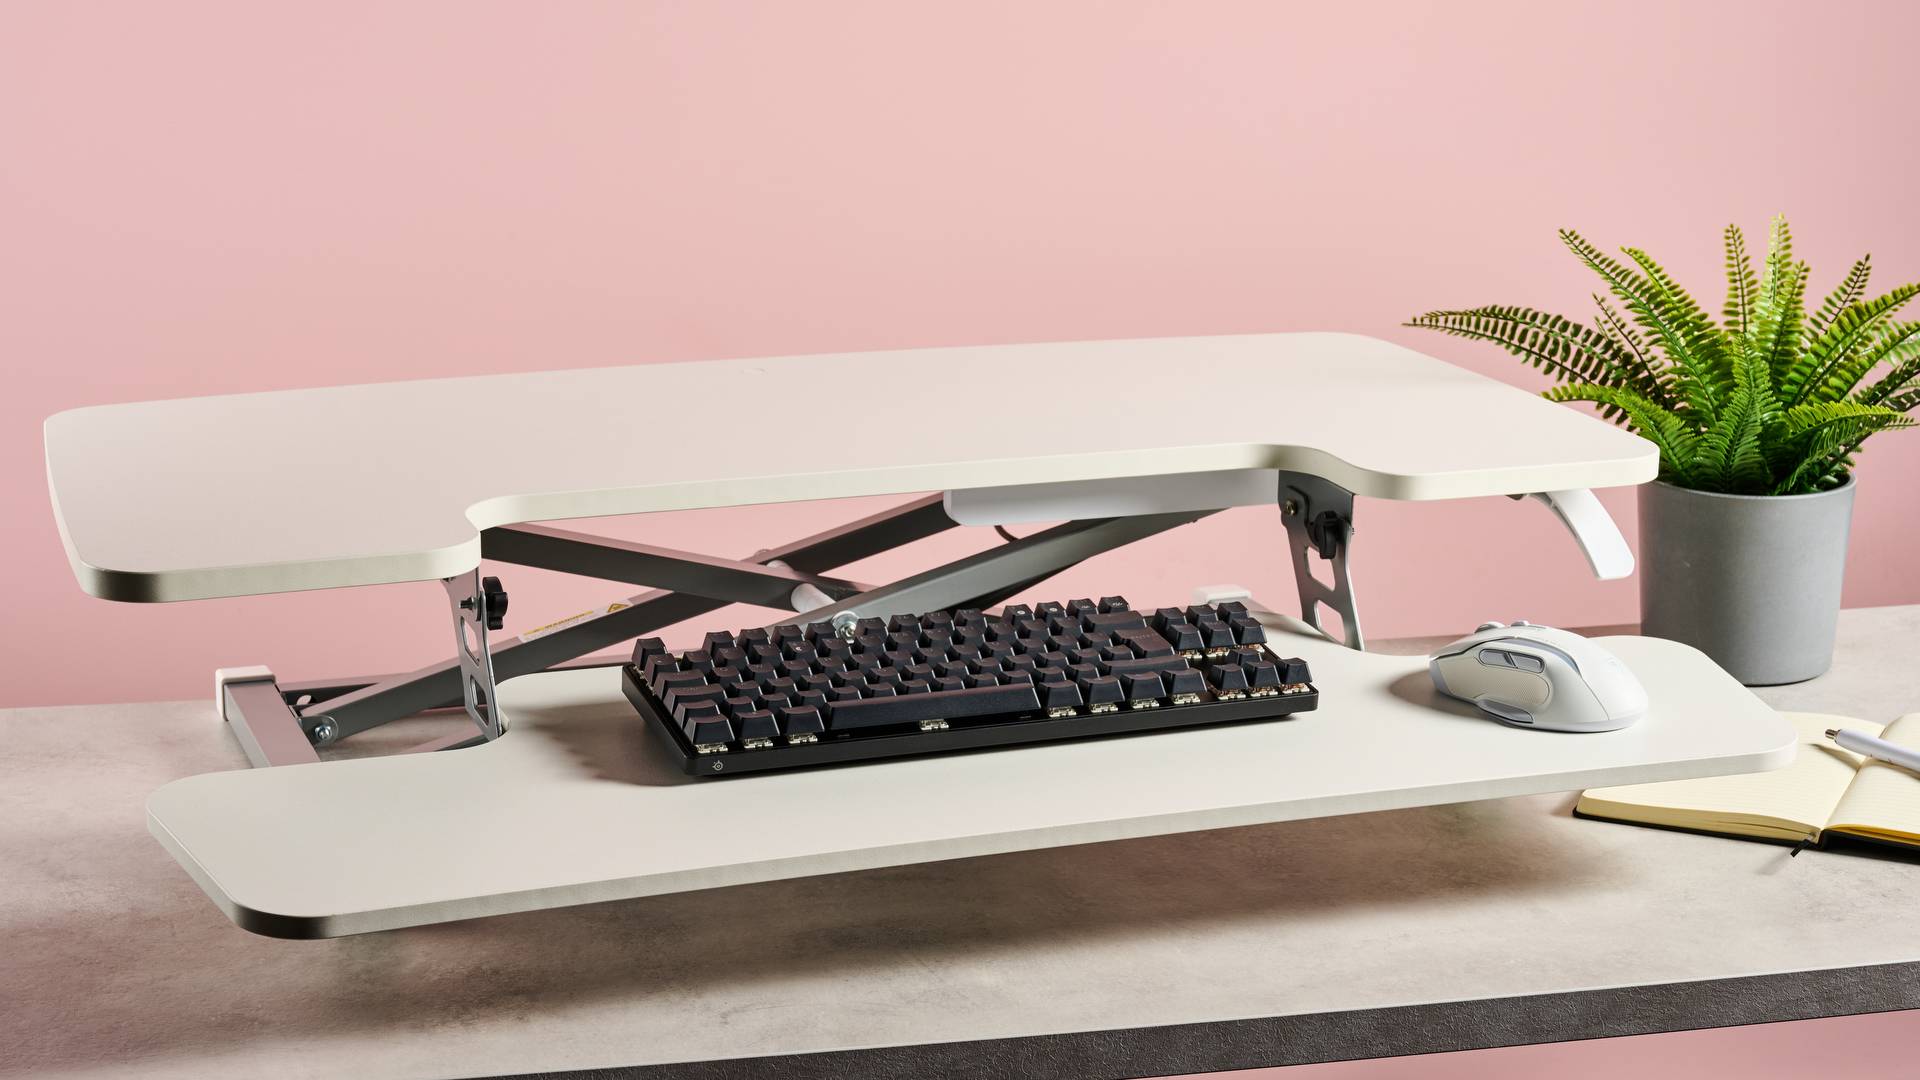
[1826, 792]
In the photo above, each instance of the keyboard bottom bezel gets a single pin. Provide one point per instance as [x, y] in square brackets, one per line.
[968, 734]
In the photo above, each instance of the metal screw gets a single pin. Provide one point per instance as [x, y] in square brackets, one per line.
[843, 624]
[1289, 508]
[322, 732]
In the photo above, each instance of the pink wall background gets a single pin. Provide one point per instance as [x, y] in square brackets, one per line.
[200, 198]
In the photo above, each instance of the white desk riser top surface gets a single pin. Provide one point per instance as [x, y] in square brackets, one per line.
[577, 802]
[357, 485]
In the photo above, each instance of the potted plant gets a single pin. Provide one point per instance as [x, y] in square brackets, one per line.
[1743, 538]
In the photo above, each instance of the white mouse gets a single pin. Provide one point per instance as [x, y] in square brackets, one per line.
[1539, 677]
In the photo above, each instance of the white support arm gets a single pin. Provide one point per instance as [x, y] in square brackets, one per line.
[1599, 538]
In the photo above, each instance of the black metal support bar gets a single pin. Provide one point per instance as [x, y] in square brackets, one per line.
[438, 685]
[1319, 520]
[997, 570]
[734, 581]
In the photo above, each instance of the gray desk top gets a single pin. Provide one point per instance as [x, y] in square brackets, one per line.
[1438, 928]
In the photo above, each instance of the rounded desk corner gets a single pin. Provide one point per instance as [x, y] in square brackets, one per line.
[251, 919]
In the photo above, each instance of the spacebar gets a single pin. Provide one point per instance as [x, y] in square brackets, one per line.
[938, 705]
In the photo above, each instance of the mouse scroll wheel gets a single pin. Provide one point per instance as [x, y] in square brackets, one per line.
[1486, 626]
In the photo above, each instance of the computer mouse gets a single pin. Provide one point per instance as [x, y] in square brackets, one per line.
[1539, 677]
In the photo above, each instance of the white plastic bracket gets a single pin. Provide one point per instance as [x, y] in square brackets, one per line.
[1593, 528]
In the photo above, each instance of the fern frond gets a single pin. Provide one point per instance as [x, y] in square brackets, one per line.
[1779, 258]
[1778, 317]
[1844, 296]
[1851, 328]
[1892, 342]
[1552, 343]
[1690, 380]
[1666, 430]
[1741, 284]
[1728, 456]
[1652, 380]
[1829, 433]
[1900, 346]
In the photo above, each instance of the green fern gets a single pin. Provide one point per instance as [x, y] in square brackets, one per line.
[1769, 401]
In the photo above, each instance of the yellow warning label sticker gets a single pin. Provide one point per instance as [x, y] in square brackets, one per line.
[573, 620]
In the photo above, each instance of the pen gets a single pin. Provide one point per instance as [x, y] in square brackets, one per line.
[1877, 749]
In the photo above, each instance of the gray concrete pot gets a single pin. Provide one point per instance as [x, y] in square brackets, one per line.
[1753, 581]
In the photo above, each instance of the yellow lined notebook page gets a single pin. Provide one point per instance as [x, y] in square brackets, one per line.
[1884, 801]
[1790, 803]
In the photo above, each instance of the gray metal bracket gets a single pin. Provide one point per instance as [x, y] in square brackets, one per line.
[1318, 515]
[478, 605]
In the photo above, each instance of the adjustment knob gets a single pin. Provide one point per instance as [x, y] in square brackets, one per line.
[496, 602]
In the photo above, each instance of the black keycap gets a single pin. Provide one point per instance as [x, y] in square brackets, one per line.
[717, 640]
[950, 683]
[680, 696]
[1016, 612]
[1228, 676]
[1293, 670]
[1245, 657]
[1165, 615]
[1051, 607]
[1143, 686]
[1111, 653]
[842, 693]
[1099, 625]
[1231, 608]
[704, 725]
[1247, 630]
[1145, 663]
[1012, 677]
[1059, 695]
[758, 724]
[1147, 643]
[876, 690]
[913, 708]
[916, 686]
[1082, 606]
[904, 624]
[1183, 636]
[1103, 690]
[1263, 674]
[1186, 680]
[1218, 635]
[1113, 603]
[785, 632]
[799, 720]
[646, 649]
[814, 699]
[658, 665]
[668, 680]
[983, 678]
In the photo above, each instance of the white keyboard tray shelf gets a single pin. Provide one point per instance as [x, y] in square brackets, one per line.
[577, 803]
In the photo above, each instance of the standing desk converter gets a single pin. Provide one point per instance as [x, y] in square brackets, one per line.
[363, 485]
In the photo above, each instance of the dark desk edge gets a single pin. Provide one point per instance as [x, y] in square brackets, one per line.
[1336, 1036]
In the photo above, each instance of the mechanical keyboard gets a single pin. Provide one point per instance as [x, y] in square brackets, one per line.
[822, 694]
